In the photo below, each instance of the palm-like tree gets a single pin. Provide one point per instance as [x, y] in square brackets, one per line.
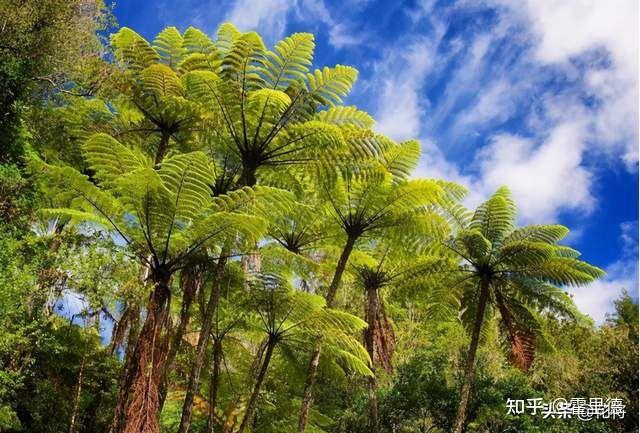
[515, 272]
[292, 318]
[379, 201]
[165, 215]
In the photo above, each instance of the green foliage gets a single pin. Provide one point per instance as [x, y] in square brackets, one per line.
[225, 178]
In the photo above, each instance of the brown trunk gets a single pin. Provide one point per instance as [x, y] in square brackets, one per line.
[76, 399]
[371, 316]
[213, 384]
[149, 359]
[203, 339]
[129, 368]
[469, 370]
[315, 357]
[251, 405]
[163, 147]
[191, 281]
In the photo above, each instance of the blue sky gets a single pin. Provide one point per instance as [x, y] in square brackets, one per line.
[540, 95]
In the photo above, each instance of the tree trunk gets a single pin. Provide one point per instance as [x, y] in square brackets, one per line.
[76, 399]
[371, 316]
[315, 357]
[248, 176]
[213, 384]
[191, 281]
[149, 358]
[203, 339]
[251, 404]
[163, 147]
[129, 368]
[469, 371]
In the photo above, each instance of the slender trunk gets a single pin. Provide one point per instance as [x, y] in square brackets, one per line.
[76, 399]
[149, 358]
[203, 339]
[471, 358]
[213, 384]
[371, 315]
[251, 404]
[191, 281]
[129, 368]
[315, 357]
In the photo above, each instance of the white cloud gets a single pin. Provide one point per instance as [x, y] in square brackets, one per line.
[269, 17]
[597, 298]
[569, 29]
[544, 179]
[340, 33]
[401, 75]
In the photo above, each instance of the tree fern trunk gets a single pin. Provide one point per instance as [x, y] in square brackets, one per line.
[129, 368]
[469, 371]
[371, 315]
[315, 357]
[191, 281]
[203, 339]
[76, 399]
[251, 404]
[149, 358]
[213, 384]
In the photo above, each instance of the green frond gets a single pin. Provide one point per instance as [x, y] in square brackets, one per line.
[564, 271]
[401, 159]
[132, 49]
[268, 202]
[199, 61]
[238, 63]
[218, 227]
[289, 61]
[111, 159]
[525, 253]
[495, 218]
[346, 115]
[565, 251]
[196, 41]
[170, 46]
[77, 216]
[329, 85]
[226, 36]
[474, 243]
[160, 81]
[77, 193]
[538, 233]
[543, 296]
[188, 177]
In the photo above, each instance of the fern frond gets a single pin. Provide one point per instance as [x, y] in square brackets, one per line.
[196, 41]
[110, 159]
[161, 81]
[188, 177]
[330, 85]
[538, 233]
[289, 61]
[133, 50]
[346, 115]
[170, 46]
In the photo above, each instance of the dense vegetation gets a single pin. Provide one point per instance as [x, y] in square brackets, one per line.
[199, 236]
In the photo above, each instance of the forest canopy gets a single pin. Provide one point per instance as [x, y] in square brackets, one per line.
[198, 235]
